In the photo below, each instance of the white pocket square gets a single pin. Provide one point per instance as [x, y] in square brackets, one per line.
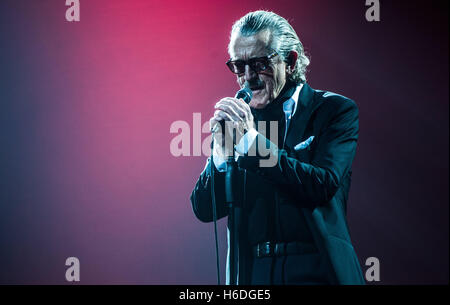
[304, 144]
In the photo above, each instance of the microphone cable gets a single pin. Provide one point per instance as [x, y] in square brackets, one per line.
[214, 207]
[246, 94]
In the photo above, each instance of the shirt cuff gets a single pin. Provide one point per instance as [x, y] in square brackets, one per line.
[219, 163]
[246, 142]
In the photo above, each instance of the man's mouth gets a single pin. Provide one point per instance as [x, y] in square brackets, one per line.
[256, 85]
[257, 89]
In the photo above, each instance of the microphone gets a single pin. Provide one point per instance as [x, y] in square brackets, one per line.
[246, 94]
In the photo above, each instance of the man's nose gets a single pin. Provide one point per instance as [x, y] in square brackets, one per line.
[249, 73]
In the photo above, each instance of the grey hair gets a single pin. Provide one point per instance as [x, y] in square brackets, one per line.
[283, 38]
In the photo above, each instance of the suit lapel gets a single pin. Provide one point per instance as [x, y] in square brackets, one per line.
[305, 107]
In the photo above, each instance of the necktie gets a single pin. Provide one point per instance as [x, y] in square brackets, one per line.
[288, 108]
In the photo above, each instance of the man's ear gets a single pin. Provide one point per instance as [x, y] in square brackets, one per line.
[292, 60]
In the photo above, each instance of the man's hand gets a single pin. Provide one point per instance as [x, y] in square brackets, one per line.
[237, 116]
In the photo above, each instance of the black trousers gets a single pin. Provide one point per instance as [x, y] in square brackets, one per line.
[302, 269]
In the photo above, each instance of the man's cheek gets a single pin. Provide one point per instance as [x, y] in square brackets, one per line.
[269, 89]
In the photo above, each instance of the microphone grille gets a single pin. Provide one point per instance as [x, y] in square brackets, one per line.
[245, 93]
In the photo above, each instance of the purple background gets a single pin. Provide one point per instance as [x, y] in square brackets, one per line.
[85, 164]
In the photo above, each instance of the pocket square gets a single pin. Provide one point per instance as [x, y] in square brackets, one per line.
[304, 144]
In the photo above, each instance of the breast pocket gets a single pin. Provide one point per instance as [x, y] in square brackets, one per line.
[303, 150]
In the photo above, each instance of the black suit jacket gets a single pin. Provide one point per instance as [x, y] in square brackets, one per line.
[317, 175]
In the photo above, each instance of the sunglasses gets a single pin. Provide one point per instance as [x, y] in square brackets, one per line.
[257, 64]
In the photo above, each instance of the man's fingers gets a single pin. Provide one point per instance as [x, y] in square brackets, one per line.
[239, 105]
[236, 115]
[234, 110]
[221, 115]
[244, 106]
[230, 108]
[231, 105]
[233, 102]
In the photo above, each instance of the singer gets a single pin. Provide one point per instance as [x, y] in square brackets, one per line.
[293, 227]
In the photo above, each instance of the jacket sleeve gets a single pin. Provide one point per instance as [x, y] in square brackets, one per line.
[317, 182]
[201, 195]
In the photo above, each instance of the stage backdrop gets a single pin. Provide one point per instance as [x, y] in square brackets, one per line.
[86, 168]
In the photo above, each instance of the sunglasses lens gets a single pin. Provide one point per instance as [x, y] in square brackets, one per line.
[237, 66]
[259, 65]
[256, 64]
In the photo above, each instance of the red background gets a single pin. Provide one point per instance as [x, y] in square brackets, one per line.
[86, 168]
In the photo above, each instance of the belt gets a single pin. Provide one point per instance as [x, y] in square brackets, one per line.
[270, 249]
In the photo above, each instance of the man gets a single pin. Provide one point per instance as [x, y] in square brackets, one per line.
[294, 228]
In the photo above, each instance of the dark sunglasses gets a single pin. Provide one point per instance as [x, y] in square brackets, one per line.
[257, 64]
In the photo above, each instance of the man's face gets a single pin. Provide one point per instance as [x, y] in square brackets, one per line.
[266, 85]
